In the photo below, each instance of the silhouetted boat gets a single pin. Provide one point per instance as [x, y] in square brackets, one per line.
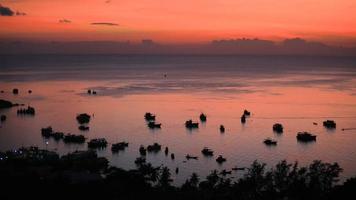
[154, 148]
[278, 128]
[29, 91]
[202, 117]
[58, 135]
[97, 143]
[150, 117]
[166, 151]
[70, 138]
[270, 142]
[142, 150]
[207, 152]
[15, 91]
[177, 170]
[153, 125]
[83, 128]
[26, 111]
[220, 159]
[243, 119]
[89, 92]
[190, 124]
[47, 132]
[222, 129]
[119, 146]
[329, 124]
[172, 156]
[306, 137]
[247, 113]
[83, 118]
[188, 157]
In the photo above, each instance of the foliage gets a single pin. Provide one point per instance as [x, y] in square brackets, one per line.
[39, 173]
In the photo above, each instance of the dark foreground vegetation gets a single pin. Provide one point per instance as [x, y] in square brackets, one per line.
[32, 173]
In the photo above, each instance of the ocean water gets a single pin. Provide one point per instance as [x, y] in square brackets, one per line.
[296, 91]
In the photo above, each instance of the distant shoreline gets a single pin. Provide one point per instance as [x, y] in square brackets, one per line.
[292, 47]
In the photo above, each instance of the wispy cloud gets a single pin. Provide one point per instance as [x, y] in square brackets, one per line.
[18, 13]
[104, 24]
[64, 21]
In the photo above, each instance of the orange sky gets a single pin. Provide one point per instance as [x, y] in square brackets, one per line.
[181, 21]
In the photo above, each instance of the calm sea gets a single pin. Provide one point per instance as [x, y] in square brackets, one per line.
[293, 90]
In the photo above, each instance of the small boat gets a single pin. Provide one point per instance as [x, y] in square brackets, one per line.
[15, 91]
[97, 143]
[83, 118]
[222, 129]
[243, 119]
[70, 138]
[270, 142]
[207, 152]
[47, 132]
[26, 111]
[142, 150]
[220, 159]
[202, 117]
[278, 128]
[153, 125]
[190, 124]
[119, 146]
[149, 116]
[306, 137]
[58, 135]
[166, 151]
[154, 148]
[83, 128]
[172, 156]
[247, 113]
[329, 124]
[188, 157]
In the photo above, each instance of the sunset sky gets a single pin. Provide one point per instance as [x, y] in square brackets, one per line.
[179, 21]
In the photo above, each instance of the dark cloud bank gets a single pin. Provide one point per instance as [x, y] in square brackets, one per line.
[6, 11]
